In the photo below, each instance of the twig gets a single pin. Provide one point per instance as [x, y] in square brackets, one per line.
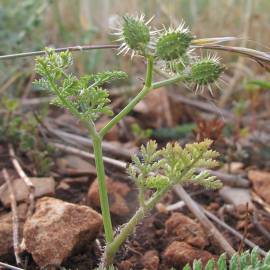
[25, 178]
[15, 219]
[206, 223]
[261, 58]
[206, 106]
[234, 232]
[72, 49]
[259, 226]
[75, 139]
[8, 266]
[76, 151]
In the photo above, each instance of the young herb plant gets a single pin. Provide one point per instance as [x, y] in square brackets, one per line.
[245, 261]
[86, 99]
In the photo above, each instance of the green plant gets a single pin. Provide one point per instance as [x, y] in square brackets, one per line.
[255, 84]
[245, 261]
[21, 130]
[86, 99]
[139, 133]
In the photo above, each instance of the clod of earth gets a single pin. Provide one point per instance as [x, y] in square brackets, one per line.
[261, 184]
[58, 229]
[186, 229]
[117, 192]
[150, 260]
[179, 254]
[43, 186]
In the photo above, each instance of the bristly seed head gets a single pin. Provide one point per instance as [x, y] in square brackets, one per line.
[135, 35]
[205, 72]
[173, 43]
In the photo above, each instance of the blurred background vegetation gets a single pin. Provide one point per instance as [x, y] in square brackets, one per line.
[32, 24]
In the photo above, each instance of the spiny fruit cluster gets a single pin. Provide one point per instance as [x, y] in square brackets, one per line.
[172, 49]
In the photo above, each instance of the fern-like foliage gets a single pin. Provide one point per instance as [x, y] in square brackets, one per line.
[161, 169]
[246, 261]
[84, 97]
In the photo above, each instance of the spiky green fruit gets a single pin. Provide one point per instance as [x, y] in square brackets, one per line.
[173, 45]
[136, 33]
[205, 71]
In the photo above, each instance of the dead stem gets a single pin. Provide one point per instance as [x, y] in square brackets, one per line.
[8, 266]
[72, 49]
[25, 178]
[84, 154]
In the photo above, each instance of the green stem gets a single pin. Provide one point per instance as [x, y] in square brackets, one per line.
[103, 194]
[65, 101]
[113, 247]
[147, 87]
[173, 80]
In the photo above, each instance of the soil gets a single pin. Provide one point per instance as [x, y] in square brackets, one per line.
[153, 246]
[146, 247]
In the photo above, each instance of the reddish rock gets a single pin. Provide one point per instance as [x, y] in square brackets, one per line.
[186, 229]
[127, 264]
[117, 192]
[57, 229]
[261, 184]
[150, 260]
[6, 231]
[178, 254]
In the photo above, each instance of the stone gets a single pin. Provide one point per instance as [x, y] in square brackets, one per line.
[72, 164]
[238, 197]
[6, 230]
[58, 229]
[150, 260]
[178, 254]
[261, 184]
[43, 186]
[117, 192]
[186, 229]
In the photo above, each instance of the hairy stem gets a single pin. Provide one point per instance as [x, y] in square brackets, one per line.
[147, 87]
[113, 247]
[103, 194]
